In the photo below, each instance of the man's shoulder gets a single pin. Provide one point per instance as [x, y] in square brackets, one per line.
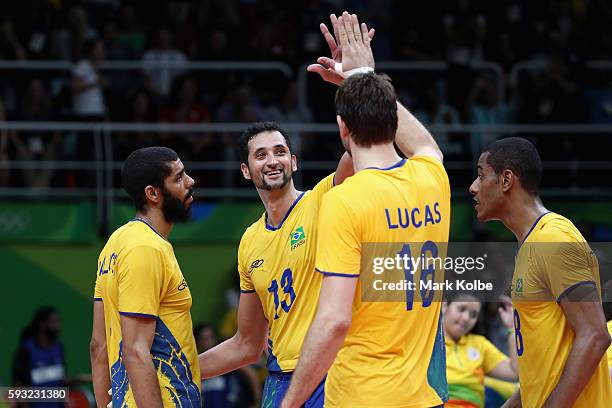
[136, 234]
[557, 228]
[252, 230]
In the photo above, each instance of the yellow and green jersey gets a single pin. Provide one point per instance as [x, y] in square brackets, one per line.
[467, 362]
[393, 354]
[553, 259]
[138, 275]
[277, 263]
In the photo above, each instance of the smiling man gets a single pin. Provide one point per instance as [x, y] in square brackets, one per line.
[560, 330]
[278, 285]
[142, 345]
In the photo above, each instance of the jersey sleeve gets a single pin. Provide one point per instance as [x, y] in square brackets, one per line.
[98, 284]
[436, 170]
[564, 263]
[98, 289]
[339, 244]
[492, 356]
[140, 282]
[323, 187]
[246, 283]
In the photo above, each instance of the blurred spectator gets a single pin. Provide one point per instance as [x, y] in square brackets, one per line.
[10, 46]
[36, 103]
[186, 107]
[552, 96]
[39, 361]
[88, 84]
[160, 79]
[237, 389]
[435, 112]
[132, 33]
[241, 105]
[68, 41]
[118, 80]
[37, 145]
[140, 109]
[4, 153]
[485, 107]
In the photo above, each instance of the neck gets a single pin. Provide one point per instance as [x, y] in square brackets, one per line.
[380, 156]
[157, 221]
[447, 335]
[277, 202]
[522, 214]
[43, 341]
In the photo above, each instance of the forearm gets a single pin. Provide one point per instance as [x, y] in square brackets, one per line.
[411, 135]
[514, 401]
[584, 357]
[143, 380]
[512, 352]
[100, 376]
[323, 341]
[230, 355]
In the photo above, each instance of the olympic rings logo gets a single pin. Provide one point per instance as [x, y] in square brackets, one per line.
[14, 222]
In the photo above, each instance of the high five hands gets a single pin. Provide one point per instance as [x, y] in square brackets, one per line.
[349, 47]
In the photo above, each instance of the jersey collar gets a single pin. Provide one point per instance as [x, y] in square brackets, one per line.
[272, 228]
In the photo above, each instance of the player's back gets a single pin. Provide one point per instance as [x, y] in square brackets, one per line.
[138, 276]
[553, 259]
[394, 351]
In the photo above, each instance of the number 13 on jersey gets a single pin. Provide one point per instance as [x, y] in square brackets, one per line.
[286, 283]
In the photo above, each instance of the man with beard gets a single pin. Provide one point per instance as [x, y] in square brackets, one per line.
[142, 329]
[278, 285]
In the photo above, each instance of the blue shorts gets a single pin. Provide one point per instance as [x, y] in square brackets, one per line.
[276, 387]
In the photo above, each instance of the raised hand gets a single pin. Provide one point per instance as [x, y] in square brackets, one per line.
[360, 53]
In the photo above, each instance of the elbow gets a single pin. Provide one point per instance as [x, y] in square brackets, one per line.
[597, 340]
[134, 355]
[602, 341]
[97, 349]
[338, 326]
[250, 348]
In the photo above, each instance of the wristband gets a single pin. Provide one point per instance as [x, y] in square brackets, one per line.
[360, 70]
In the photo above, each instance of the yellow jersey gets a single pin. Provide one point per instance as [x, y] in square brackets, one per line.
[553, 259]
[393, 354]
[278, 264]
[467, 362]
[138, 275]
[609, 353]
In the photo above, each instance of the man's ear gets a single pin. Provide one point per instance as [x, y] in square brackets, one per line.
[245, 171]
[294, 165]
[153, 194]
[508, 178]
[344, 133]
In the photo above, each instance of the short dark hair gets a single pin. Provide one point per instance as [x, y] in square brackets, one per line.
[520, 156]
[255, 129]
[367, 104]
[454, 296]
[144, 167]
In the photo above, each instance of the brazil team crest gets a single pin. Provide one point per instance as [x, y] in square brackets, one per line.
[298, 237]
[519, 285]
